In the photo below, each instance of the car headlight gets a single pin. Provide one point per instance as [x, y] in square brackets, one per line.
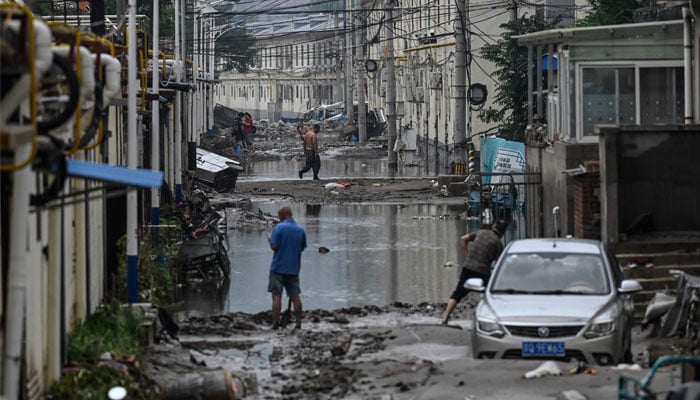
[490, 328]
[600, 329]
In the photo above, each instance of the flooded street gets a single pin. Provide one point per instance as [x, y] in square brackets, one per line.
[372, 303]
[331, 168]
[379, 254]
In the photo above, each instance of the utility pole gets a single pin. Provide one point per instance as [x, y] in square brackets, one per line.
[513, 10]
[178, 105]
[132, 249]
[338, 57]
[390, 101]
[349, 63]
[155, 118]
[361, 108]
[461, 71]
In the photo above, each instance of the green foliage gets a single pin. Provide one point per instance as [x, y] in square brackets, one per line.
[157, 261]
[236, 47]
[510, 111]
[110, 329]
[93, 383]
[610, 12]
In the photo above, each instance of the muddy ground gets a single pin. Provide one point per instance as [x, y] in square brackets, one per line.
[399, 351]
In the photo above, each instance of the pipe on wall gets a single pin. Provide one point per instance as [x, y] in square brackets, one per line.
[688, 66]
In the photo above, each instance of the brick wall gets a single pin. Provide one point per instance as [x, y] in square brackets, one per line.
[587, 206]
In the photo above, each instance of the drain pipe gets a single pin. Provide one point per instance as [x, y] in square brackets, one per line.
[555, 220]
[40, 40]
[17, 276]
[688, 65]
[155, 120]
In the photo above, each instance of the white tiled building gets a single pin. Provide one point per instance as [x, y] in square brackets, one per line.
[297, 68]
[300, 64]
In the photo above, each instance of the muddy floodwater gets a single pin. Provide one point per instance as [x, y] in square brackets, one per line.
[379, 254]
[257, 170]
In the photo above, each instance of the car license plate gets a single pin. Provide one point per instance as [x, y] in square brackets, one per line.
[543, 349]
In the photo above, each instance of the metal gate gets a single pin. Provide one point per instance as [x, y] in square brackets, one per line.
[513, 197]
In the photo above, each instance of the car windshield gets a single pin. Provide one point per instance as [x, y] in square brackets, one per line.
[538, 273]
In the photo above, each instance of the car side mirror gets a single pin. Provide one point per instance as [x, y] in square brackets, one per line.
[475, 284]
[629, 286]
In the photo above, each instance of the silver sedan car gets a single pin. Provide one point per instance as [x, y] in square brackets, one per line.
[555, 299]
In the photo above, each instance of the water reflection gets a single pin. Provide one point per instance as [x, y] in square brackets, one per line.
[379, 254]
[331, 168]
[205, 297]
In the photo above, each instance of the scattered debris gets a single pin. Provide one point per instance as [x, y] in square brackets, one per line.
[342, 344]
[627, 367]
[546, 368]
[333, 185]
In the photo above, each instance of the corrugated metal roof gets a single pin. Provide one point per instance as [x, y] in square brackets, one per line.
[568, 35]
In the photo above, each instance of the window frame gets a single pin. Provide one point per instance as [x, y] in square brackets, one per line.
[636, 65]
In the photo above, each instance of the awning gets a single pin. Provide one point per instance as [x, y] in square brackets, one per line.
[143, 178]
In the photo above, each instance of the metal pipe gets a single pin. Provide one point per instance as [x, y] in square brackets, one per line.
[390, 83]
[53, 296]
[17, 275]
[177, 110]
[555, 220]
[687, 66]
[132, 258]
[170, 166]
[529, 86]
[361, 98]
[155, 118]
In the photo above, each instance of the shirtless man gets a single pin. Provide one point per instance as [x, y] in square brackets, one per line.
[313, 159]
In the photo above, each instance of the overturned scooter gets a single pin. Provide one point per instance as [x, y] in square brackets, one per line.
[677, 316]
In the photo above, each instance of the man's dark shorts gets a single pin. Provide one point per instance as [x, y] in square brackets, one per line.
[460, 290]
[290, 284]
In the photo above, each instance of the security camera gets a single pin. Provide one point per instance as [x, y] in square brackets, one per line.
[432, 32]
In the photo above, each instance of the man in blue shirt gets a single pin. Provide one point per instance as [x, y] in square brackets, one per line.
[288, 240]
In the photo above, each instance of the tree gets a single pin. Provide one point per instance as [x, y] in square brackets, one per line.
[610, 12]
[511, 75]
[236, 48]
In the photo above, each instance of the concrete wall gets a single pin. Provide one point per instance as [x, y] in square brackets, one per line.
[557, 186]
[649, 171]
[533, 195]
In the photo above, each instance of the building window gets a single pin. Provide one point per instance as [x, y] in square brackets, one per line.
[642, 93]
[661, 95]
[608, 97]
